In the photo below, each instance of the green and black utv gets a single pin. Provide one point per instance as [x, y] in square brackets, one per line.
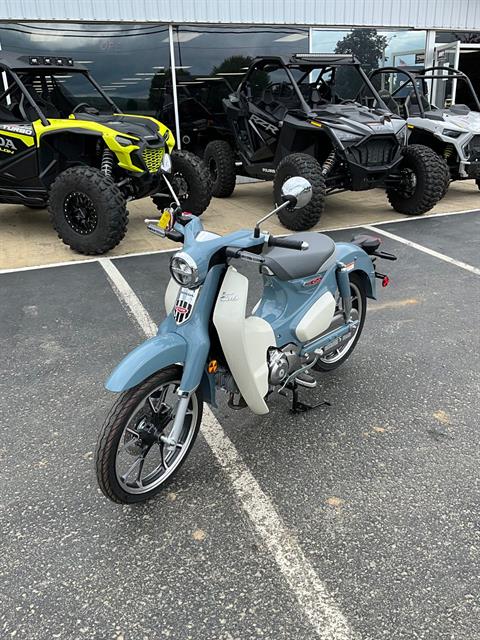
[66, 145]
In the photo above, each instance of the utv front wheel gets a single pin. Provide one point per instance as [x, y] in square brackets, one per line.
[220, 161]
[87, 210]
[190, 181]
[424, 181]
[300, 164]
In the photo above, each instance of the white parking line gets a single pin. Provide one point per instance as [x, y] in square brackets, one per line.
[317, 604]
[419, 247]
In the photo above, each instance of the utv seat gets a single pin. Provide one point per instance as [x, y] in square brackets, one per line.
[289, 264]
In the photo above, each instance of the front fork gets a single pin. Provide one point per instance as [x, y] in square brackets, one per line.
[343, 283]
[182, 408]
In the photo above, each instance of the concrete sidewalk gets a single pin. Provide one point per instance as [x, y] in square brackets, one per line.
[27, 238]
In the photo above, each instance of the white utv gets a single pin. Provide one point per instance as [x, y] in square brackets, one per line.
[427, 99]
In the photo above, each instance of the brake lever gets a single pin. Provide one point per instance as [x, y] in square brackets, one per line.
[240, 254]
[384, 255]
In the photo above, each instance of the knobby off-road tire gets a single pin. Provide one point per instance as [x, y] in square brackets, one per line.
[300, 164]
[113, 436]
[431, 175]
[359, 299]
[191, 182]
[220, 161]
[105, 210]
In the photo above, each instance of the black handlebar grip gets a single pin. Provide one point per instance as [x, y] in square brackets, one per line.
[287, 243]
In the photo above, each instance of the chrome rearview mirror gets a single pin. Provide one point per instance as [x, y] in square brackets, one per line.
[297, 191]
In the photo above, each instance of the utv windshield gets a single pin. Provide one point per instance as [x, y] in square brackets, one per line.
[58, 94]
[337, 85]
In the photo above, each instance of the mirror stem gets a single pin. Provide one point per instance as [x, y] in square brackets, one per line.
[256, 233]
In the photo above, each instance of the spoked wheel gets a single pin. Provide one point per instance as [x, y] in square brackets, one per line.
[335, 358]
[134, 460]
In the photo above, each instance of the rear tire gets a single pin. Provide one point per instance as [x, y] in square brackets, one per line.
[300, 164]
[191, 182]
[87, 210]
[220, 161]
[429, 178]
[329, 363]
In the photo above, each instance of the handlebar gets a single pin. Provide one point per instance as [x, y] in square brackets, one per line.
[287, 243]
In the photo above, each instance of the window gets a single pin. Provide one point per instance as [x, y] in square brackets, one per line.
[130, 62]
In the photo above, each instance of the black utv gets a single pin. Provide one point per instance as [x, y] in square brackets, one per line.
[319, 116]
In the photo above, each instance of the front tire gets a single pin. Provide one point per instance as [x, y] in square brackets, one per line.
[425, 180]
[300, 164]
[359, 305]
[87, 210]
[132, 463]
[220, 161]
[191, 182]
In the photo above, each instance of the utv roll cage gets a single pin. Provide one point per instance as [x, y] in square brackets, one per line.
[308, 62]
[429, 73]
[20, 62]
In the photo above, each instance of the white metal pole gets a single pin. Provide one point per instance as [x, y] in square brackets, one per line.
[174, 87]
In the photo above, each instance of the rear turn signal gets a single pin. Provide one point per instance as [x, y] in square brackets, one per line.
[385, 279]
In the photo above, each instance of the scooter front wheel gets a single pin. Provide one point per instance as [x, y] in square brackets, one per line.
[332, 360]
[134, 459]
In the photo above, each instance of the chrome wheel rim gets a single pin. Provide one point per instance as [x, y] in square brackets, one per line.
[357, 311]
[143, 461]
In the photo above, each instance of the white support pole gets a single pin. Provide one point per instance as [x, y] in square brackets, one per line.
[174, 87]
[429, 62]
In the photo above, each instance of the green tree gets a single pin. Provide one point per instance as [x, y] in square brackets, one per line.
[365, 44]
[233, 64]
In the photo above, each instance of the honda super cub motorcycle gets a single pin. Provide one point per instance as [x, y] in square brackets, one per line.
[310, 317]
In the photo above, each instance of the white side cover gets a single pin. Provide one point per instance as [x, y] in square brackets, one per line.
[171, 295]
[317, 319]
[244, 340]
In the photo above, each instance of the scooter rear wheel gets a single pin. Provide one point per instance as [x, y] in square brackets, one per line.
[132, 463]
[359, 306]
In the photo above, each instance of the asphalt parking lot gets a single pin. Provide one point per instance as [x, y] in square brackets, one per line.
[379, 491]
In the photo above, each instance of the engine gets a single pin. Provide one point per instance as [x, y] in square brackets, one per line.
[283, 362]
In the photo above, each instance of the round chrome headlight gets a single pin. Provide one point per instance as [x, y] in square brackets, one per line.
[184, 270]
[166, 163]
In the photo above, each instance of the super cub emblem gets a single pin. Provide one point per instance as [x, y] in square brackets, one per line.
[184, 305]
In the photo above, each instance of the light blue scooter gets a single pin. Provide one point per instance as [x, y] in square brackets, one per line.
[309, 318]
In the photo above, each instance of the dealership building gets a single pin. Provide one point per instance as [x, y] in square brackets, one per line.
[178, 58]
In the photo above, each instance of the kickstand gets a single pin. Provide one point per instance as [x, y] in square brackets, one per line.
[297, 406]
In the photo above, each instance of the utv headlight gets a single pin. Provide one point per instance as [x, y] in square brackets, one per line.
[401, 135]
[346, 136]
[166, 163]
[451, 133]
[184, 270]
[125, 142]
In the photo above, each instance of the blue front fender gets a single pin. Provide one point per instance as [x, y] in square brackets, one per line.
[149, 357]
